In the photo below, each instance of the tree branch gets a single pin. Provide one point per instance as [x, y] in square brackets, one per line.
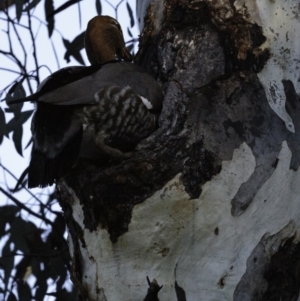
[37, 77]
[27, 190]
[22, 206]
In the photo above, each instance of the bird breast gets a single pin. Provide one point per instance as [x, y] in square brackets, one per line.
[120, 116]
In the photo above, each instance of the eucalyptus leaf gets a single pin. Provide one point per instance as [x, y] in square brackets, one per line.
[6, 263]
[23, 234]
[64, 295]
[66, 43]
[7, 214]
[42, 288]
[130, 14]
[19, 91]
[14, 108]
[17, 121]
[129, 32]
[24, 291]
[49, 8]
[74, 48]
[12, 297]
[78, 42]
[2, 125]
[99, 7]
[62, 7]
[19, 8]
[130, 47]
[17, 139]
[32, 5]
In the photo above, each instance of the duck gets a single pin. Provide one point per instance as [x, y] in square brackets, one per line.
[104, 109]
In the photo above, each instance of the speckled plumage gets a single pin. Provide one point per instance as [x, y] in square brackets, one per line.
[120, 116]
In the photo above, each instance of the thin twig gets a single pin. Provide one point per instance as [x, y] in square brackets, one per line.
[134, 40]
[18, 24]
[45, 66]
[117, 6]
[22, 206]
[11, 54]
[19, 39]
[27, 190]
[116, 9]
[9, 70]
[34, 48]
[38, 30]
[11, 84]
[44, 23]
[110, 4]
[79, 13]
[55, 54]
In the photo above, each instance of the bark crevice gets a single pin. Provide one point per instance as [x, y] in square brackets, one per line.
[209, 110]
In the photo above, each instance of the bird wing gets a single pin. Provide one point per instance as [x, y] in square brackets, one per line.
[82, 91]
[53, 127]
[59, 79]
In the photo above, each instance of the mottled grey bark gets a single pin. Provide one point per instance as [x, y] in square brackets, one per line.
[214, 102]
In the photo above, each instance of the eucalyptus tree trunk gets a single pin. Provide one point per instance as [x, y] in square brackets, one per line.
[209, 205]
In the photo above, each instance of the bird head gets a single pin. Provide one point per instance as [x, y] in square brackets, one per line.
[104, 41]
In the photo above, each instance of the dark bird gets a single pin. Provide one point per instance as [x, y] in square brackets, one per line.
[102, 109]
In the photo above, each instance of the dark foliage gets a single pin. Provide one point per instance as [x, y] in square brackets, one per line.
[32, 233]
[74, 48]
[27, 253]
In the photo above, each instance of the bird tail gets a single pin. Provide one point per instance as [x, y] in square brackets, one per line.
[41, 172]
[44, 171]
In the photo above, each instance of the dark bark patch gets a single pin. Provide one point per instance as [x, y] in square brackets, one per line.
[165, 252]
[241, 38]
[222, 281]
[283, 273]
[237, 126]
[253, 284]
[225, 125]
[198, 168]
[274, 165]
[272, 271]
[191, 46]
[216, 232]
[293, 108]
[180, 293]
[207, 114]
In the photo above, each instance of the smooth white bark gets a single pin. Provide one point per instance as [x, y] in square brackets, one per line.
[172, 238]
[281, 25]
